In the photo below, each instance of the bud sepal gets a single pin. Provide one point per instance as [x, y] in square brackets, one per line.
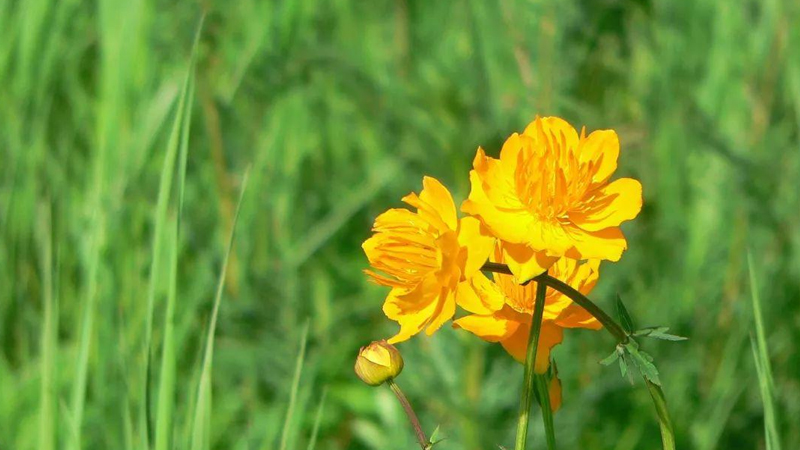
[378, 363]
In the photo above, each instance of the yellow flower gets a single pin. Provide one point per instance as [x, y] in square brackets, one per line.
[503, 310]
[549, 195]
[378, 362]
[424, 256]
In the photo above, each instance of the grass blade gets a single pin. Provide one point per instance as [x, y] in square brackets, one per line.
[766, 382]
[166, 386]
[86, 328]
[47, 400]
[298, 369]
[312, 441]
[166, 391]
[162, 203]
[202, 415]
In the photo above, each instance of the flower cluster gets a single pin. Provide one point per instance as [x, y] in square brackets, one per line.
[547, 204]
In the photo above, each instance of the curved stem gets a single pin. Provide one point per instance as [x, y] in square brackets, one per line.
[665, 422]
[530, 363]
[412, 416]
[609, 323]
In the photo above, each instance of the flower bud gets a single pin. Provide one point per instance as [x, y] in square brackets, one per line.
[378, 362]
[554, 391]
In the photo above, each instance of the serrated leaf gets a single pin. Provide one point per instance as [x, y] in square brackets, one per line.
[658, 333]
[649, 330]
[668, 337]
[644, 363]
[624, 317]
[608, 360]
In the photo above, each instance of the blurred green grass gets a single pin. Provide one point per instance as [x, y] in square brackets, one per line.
[339, 108]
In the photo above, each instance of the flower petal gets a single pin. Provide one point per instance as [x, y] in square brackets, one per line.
[517, 344]
[615, 203]
[411, 310]
[554, 390]
[601, 150]
[476, 242]
[444, 311]
[506, 224]
[553, 127]
[524, 262]
[438, 197]
[605, 244]
[479, 295]
[491, 328]
[497, 181]
[583, 277]
[427, 212]
[574, 316]
[509, 153]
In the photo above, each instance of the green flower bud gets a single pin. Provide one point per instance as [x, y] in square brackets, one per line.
[378, 362]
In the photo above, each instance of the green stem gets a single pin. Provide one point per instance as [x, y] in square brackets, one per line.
[659, 401]
[412, 416]
[547, 411]
[664, 421]
[530, 362]
[609, 323]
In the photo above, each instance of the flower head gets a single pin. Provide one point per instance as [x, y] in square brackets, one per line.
[378, 362]
[549, 196]
[502, 310]
[424, 256]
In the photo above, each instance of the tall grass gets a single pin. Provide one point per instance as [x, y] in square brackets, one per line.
[113, 332]
[766, 382]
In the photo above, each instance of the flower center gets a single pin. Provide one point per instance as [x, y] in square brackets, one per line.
[522, 298]
[550, 179]
[404, 253]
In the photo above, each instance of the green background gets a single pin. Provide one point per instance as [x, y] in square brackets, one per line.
[339, 108]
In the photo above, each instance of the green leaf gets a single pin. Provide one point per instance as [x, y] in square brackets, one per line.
[644, 363]
[624, 317]
[608, 360]
[623, 366]
[434, 439]
[658, 333]
[648, 331]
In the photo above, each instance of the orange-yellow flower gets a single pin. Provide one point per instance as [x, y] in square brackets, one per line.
[549, 196]
[424, 256]
[502, 311]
